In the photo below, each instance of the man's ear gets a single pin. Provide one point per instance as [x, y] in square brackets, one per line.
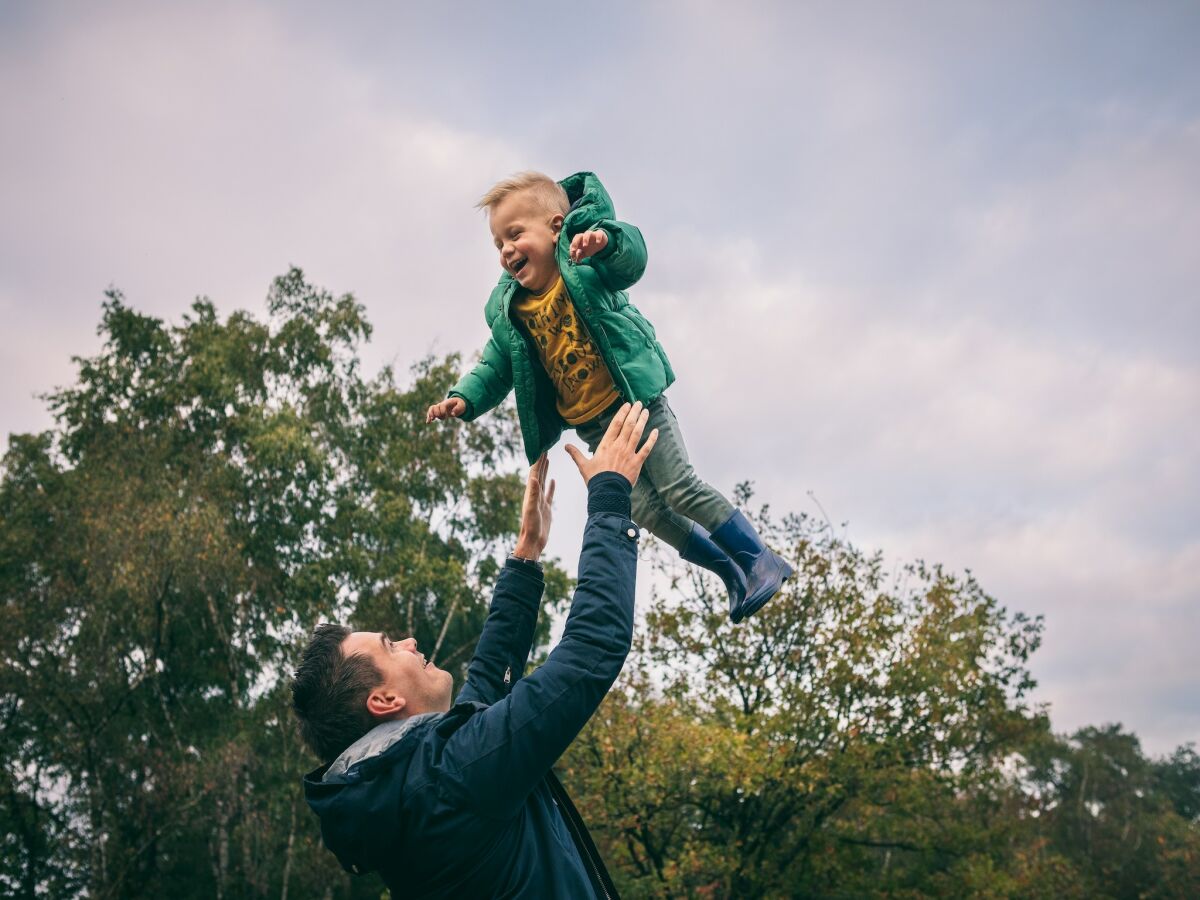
[384, 704]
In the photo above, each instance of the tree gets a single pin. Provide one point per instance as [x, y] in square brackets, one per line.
[212, 490]
[1125, 823]
[844, 741]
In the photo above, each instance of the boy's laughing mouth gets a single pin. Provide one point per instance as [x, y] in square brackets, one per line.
[518, 264]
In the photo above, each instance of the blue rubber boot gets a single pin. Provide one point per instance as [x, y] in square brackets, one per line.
[765, 570]
[701, 551]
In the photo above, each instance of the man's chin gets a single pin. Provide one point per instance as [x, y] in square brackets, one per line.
[448, 691]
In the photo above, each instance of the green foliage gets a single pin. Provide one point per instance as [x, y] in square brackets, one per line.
[866, 734]
[1126, 824]
[213, 489]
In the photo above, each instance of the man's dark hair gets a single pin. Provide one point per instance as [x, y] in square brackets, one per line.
[329, 693]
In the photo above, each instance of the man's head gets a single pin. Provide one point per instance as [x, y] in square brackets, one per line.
[348, 682]
[526, 214]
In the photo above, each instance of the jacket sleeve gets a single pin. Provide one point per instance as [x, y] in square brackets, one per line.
[621, 263]
[507, 634]
[501, 754]
[487, 384]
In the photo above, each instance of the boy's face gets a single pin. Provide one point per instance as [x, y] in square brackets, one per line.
[525, 233]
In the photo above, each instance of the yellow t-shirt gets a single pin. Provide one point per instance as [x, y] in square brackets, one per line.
[584, 385]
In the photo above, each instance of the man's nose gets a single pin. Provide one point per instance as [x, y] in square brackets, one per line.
[410, 642]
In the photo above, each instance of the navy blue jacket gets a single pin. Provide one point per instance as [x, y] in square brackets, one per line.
[464, 804]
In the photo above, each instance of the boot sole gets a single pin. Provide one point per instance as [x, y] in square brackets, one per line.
[747, 609]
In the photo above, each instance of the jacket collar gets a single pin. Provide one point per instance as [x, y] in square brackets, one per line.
[374, 743]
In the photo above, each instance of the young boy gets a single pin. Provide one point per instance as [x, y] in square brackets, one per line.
[565, 335]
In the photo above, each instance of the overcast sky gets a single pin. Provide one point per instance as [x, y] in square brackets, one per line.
[936, 263]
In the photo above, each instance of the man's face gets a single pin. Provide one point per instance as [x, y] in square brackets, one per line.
[525, 232]
[410, 686]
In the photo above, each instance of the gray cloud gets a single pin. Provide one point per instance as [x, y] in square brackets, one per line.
[936, 266]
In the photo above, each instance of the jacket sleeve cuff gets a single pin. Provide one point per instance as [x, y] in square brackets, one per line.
[608, 492]
[614, 235]
[469, 412]
[530, 572]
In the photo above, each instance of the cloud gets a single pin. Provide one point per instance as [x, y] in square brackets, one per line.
[1060, 470]
[174, 155]
[951, 295]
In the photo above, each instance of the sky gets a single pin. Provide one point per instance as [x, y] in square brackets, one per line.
[932, 266]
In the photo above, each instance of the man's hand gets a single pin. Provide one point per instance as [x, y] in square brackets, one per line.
[535, 512]
[450, 408]
[618, 451]
[587, 243]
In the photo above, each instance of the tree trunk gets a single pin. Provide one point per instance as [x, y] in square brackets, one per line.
[287, 859]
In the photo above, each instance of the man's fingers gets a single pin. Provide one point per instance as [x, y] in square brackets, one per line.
[635, 434]
[614, 427]
[637, 415]
[577, 456]
[649, 445]
[550, 493]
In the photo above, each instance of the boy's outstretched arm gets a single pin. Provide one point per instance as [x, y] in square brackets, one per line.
[617, 251]
[479, 390]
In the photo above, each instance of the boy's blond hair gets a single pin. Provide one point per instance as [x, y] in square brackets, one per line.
[543, 187]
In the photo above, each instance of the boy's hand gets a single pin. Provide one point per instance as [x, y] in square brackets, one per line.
[618, 451]
[536, 512]
[587, 243]
[450, 408]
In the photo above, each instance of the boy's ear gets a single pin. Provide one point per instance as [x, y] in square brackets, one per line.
[384, 704]
[556, 223]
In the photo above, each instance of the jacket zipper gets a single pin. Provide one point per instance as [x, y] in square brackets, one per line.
[602, 342]
[571, 818]
[508, 675]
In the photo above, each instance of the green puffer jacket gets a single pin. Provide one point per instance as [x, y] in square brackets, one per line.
[625, 339]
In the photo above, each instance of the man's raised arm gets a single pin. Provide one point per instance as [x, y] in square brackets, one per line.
[504, 646]
[501, 753]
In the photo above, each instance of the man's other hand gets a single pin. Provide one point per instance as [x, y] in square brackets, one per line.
[618, 451]
[536, 511]
[450, 408]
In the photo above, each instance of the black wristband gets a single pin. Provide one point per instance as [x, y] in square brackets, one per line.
[608, 492]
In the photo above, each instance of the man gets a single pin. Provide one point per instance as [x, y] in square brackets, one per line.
[460, 800]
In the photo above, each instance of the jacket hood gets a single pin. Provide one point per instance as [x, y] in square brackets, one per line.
[358, 797]
[589, 201]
